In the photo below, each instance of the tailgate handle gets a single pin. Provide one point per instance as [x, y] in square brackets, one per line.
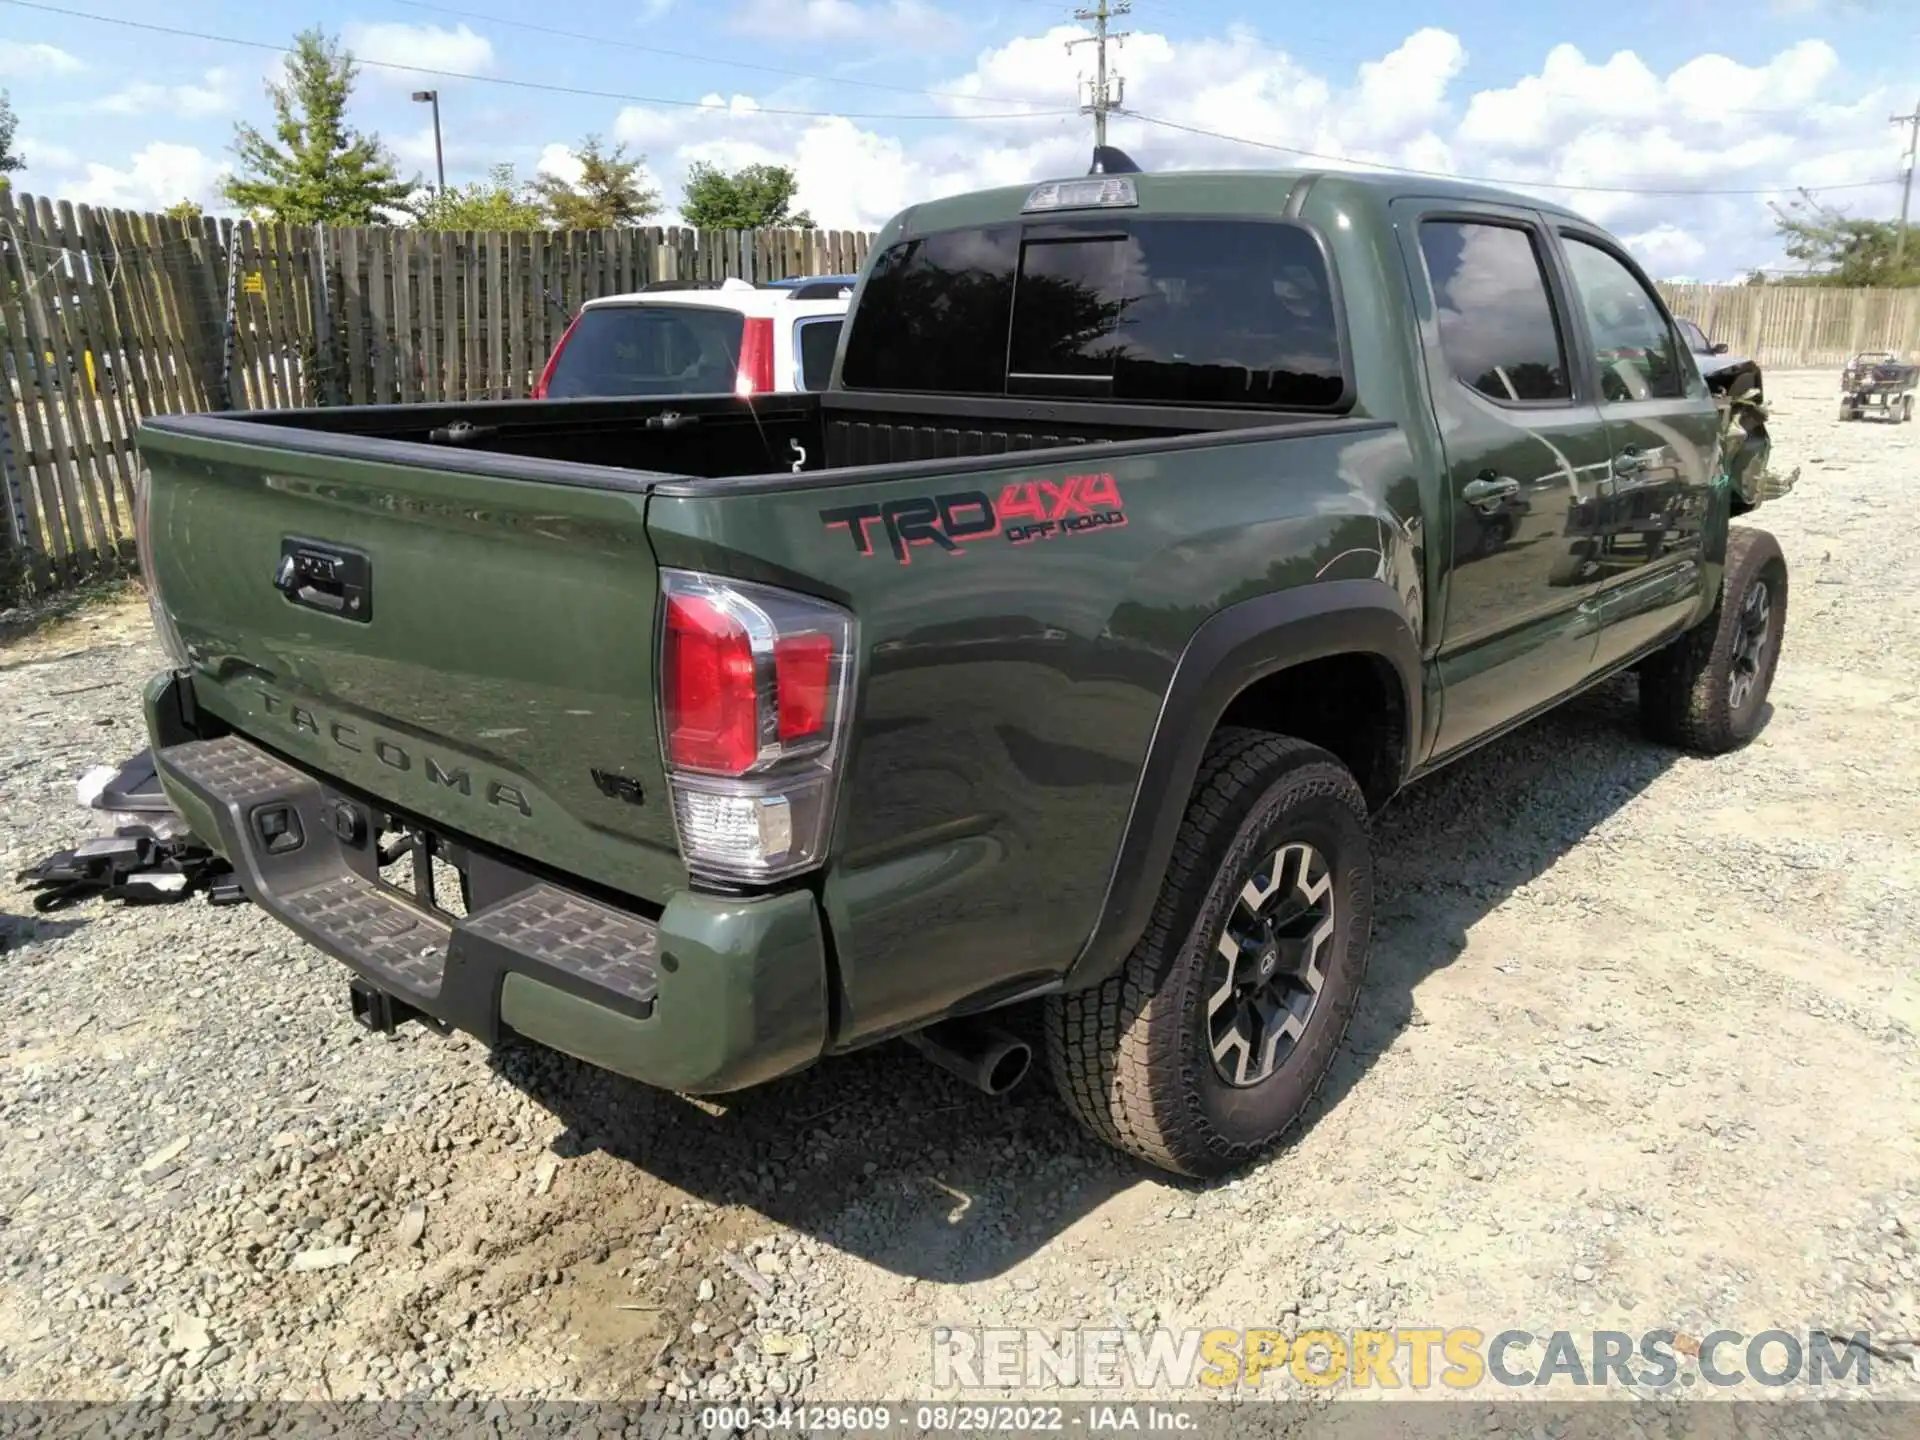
[327, 578]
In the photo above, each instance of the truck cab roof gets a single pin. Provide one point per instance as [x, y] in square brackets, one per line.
[1220, 192]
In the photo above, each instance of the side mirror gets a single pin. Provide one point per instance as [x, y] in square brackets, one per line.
[1719, 349]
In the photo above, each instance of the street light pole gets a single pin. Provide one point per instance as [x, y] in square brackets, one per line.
[432, 97]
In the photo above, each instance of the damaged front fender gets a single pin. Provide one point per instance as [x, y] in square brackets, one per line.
[1746, 451]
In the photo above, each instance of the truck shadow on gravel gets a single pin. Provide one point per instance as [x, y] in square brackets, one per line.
[885, 1157]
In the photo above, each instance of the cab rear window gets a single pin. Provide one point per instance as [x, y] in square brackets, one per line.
[649, 350]
[1174, 311]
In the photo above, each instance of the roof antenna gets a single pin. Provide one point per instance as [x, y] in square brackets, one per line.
[1112, 160]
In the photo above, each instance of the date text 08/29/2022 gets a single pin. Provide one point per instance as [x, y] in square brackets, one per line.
[959, 1417]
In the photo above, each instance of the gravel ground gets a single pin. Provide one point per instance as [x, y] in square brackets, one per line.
[1638, 1051]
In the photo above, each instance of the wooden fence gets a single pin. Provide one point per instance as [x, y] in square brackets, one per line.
[1802, 327]
[107, 316]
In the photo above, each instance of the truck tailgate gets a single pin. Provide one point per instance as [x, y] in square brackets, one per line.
[482, 658]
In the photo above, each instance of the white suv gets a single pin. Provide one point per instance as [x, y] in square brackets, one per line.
[674, 339]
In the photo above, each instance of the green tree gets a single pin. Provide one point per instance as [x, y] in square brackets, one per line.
[187, 210]
[610, 192]
[1838, 249]
[10, 159]
[754, 197]
[500, 202]
[319, 170]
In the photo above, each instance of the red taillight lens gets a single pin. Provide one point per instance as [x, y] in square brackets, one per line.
[803, 673]
[712, 705]
[546, 375]
[756, 359]
[754, 683]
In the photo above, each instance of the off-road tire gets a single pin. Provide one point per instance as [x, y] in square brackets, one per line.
[1685, 689]
[1131, 1056]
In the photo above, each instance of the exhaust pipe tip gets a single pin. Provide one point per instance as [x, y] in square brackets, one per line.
[986, 1057]
[1006, 1067]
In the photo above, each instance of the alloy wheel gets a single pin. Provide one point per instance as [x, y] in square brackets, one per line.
[1267, 971]
[1750, 644]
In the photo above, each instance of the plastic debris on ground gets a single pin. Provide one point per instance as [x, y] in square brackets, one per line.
[146, 854]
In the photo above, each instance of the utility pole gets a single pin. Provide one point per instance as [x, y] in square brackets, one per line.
[1108, 90]
[1912, 122]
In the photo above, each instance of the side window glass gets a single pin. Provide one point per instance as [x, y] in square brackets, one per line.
[1635, 350]
[1497, 325]
[816, 340]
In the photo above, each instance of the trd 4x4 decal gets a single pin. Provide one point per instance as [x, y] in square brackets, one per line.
[1027, 510]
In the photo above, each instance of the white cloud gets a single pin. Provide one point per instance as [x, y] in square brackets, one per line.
[214, 96]
[34, 59]
[1667, 250]
[44, 155]
[878, 23]
[432, 47]
[1407, 92]
[559, 160]
[156, 176]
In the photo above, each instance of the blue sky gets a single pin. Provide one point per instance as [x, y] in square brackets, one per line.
[914, 98]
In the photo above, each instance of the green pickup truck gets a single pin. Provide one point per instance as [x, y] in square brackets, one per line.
[1154, 531]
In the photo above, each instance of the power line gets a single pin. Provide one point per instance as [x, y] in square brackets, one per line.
[603, 40]
[1488, 179]
[525, 84]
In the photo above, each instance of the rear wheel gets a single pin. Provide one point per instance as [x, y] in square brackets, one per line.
[1708, 690]
[1215, 1035]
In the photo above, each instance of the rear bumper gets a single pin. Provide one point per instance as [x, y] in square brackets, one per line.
[716, 995]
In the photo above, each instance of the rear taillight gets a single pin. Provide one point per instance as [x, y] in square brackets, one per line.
[756, 359]
[753, 699]
[546, 375]
[163, 625]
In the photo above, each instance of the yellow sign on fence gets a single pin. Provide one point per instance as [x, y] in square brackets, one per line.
[254, 283]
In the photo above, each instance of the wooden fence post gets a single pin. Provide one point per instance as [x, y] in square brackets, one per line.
[326, 383]
[229, 322]
[18, 552]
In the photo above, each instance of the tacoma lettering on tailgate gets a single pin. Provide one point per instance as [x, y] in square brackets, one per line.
[392, 754]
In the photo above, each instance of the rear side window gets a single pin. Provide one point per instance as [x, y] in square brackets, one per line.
[1199, 312]
[649, 350]
[1192, 311]
[815, 341]
[1497, 325]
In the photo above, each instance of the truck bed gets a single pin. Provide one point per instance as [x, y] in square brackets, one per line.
[713, 436]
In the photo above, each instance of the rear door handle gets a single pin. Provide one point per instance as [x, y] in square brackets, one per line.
[1489, 489]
